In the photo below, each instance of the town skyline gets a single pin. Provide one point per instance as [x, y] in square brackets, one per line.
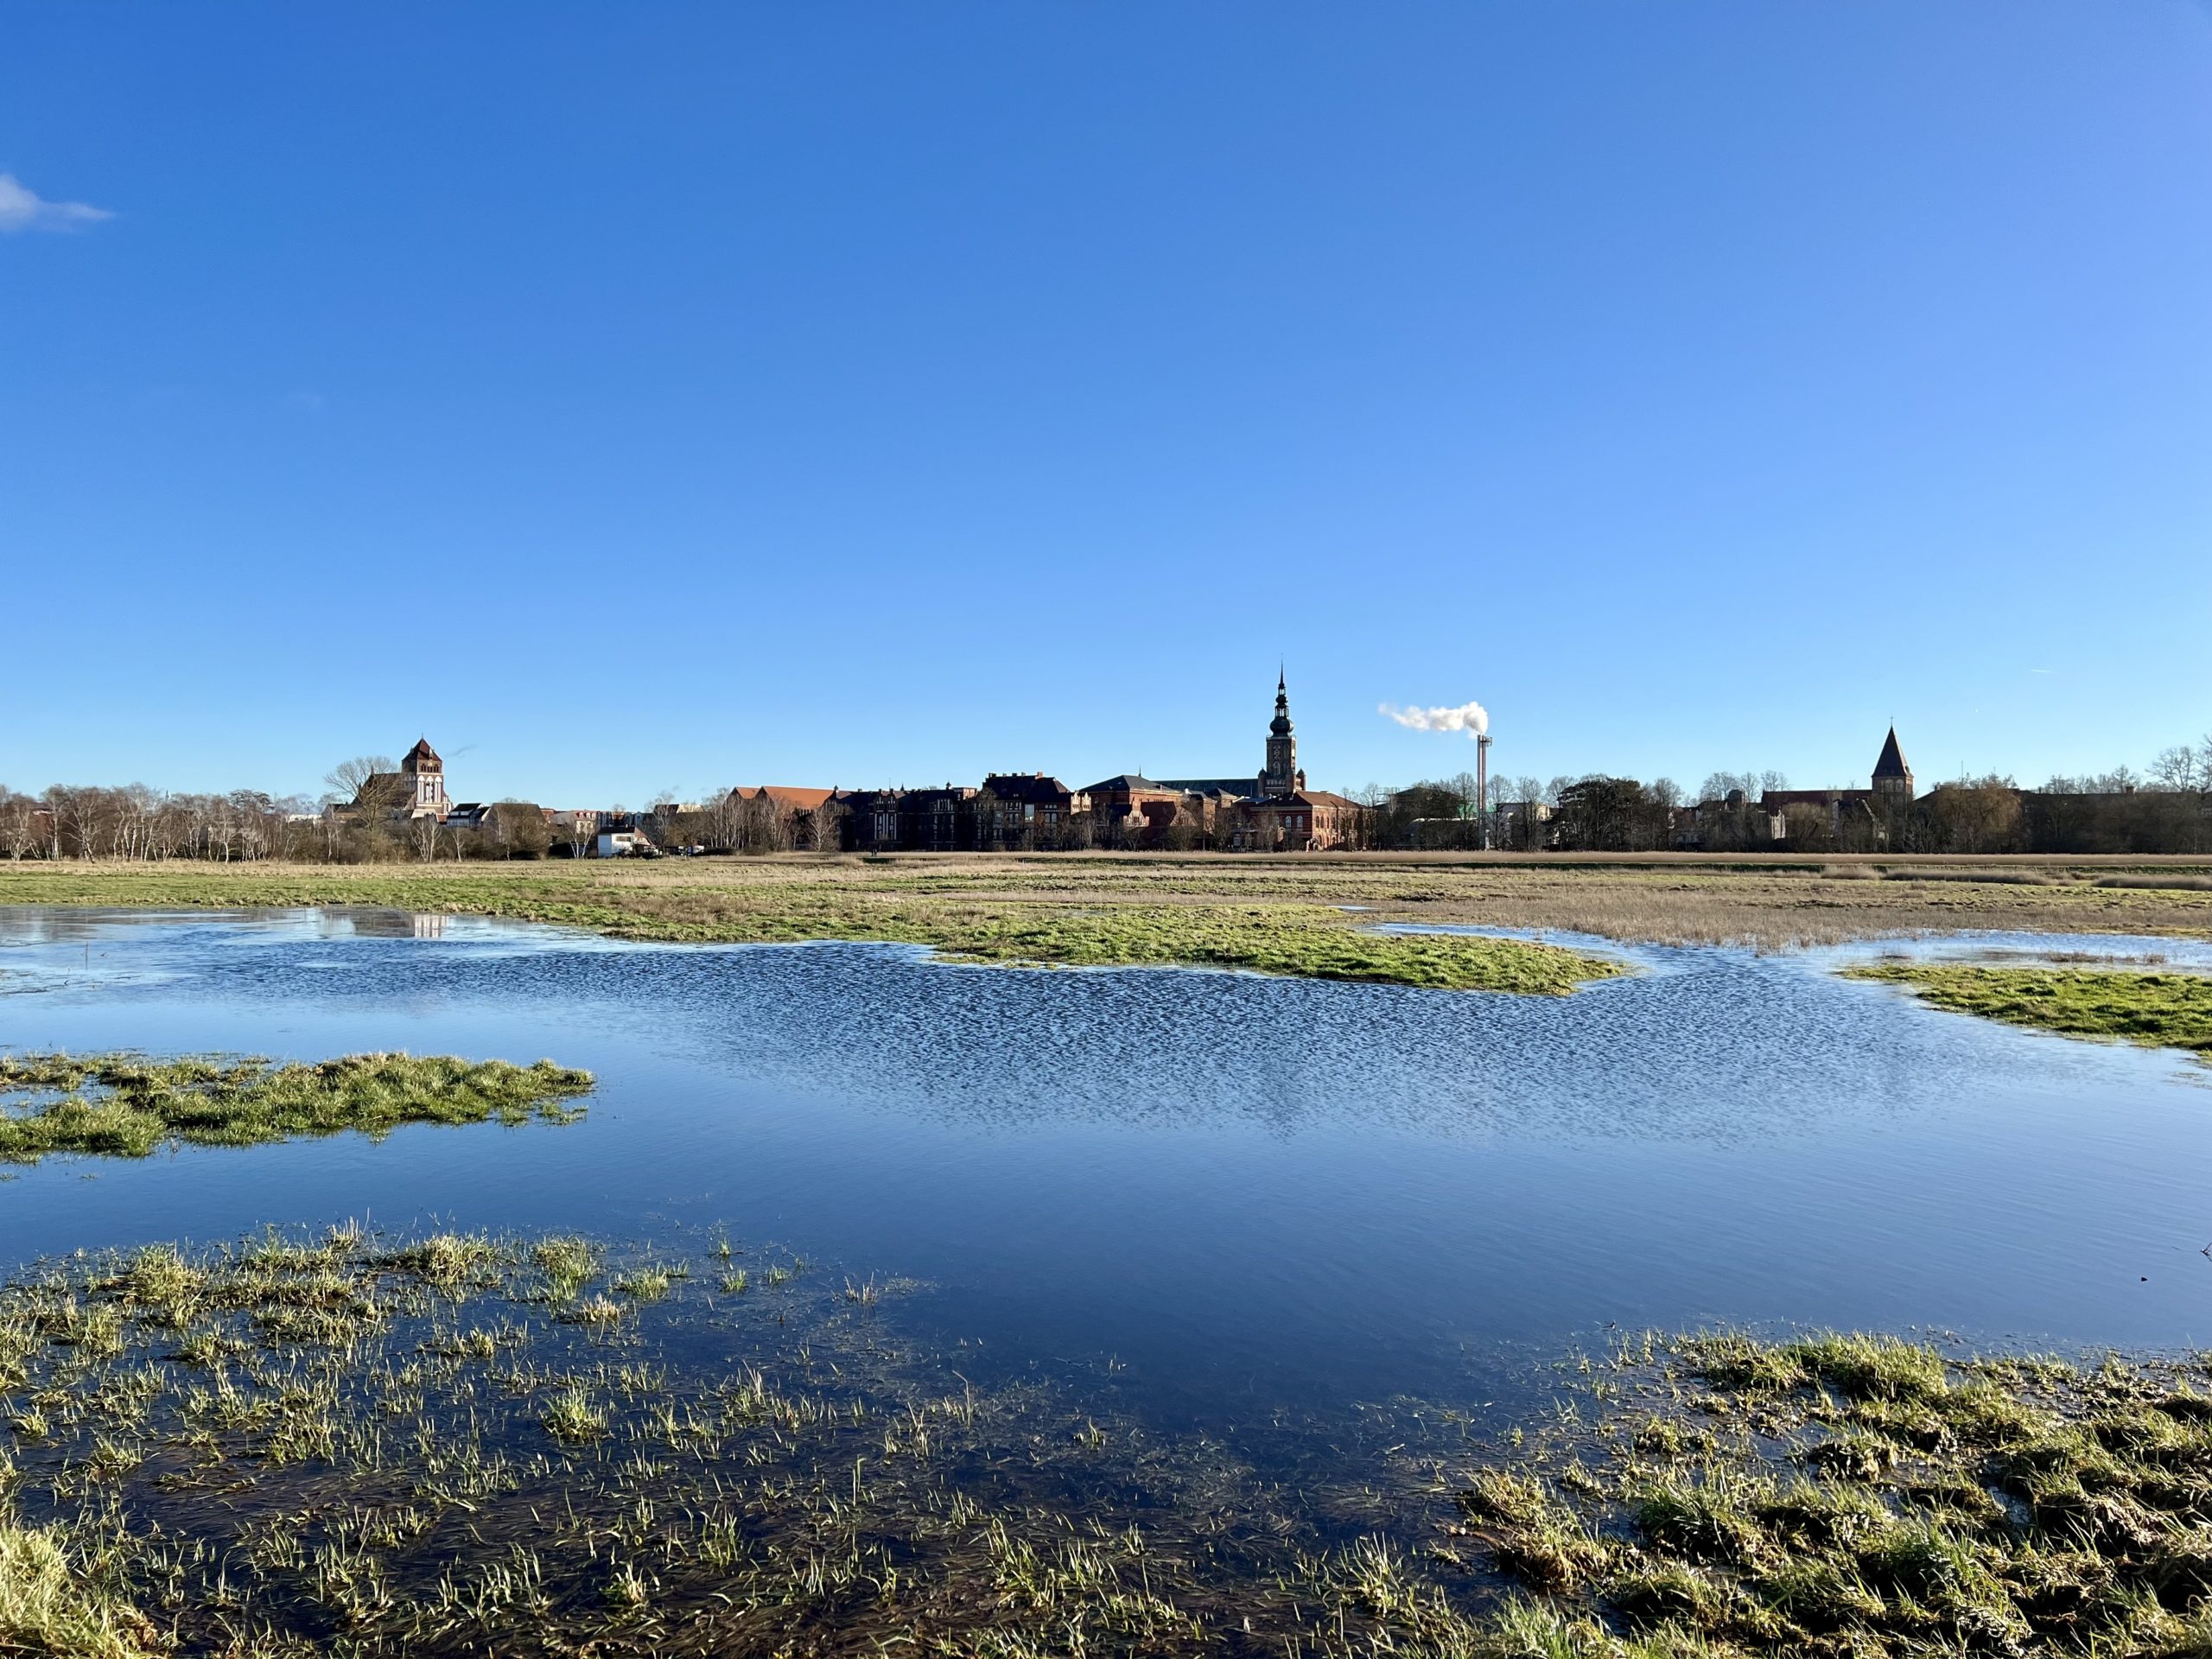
[1428, 754]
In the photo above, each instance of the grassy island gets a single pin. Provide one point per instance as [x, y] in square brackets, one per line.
[2160, 1010]
[128, 1105]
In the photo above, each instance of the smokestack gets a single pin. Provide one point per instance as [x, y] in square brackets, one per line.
[1482, 788]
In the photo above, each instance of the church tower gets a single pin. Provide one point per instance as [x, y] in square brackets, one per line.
[1281, 776]
[423, 780]
[1892, 777]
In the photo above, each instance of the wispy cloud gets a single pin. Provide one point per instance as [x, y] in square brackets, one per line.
[22, 208]
[1469, 717]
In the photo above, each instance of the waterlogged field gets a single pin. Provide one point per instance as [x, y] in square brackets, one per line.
[462, 1443]
[1276, 914]
[876, 1302]
[963, 916]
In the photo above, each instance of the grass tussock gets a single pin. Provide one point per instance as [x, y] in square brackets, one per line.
[128, 1106]
[1859, 1495]
[52, 1603]
[2164, 1010]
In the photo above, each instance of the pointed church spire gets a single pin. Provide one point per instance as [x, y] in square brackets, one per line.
[1892, 763]
[1893, 777]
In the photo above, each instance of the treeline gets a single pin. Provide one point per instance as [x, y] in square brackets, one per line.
[2167, 809]
[137, 824]
[140, 823]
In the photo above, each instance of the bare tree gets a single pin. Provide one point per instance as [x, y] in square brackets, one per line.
[350, 782]
[2179, 767]
[19, 825]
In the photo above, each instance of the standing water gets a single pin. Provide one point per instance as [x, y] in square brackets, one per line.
[1241, 1191]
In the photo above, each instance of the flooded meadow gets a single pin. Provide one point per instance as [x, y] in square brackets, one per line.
[1090, 1309]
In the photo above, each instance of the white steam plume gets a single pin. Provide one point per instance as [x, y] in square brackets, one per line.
[1469, 717]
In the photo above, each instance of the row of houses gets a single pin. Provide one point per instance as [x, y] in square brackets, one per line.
[1274, 810]
[1271, 810]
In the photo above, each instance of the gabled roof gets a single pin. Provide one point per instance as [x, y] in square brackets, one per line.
[419, 754]
[1891, 765]
[804, 800]
[1129, 780]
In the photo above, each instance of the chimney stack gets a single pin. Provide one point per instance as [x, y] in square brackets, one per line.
[1482, 789]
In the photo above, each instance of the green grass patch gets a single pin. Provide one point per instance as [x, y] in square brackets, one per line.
[128, 1106]
[1860, 1494]
[2159, 1009]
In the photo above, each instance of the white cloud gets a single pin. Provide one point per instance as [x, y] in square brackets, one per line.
[22, 208]
[1469, 717]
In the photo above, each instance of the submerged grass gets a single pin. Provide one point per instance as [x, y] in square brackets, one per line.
[128, 1106]
[352, 1445]
[438, 1462]
[2163, 1010]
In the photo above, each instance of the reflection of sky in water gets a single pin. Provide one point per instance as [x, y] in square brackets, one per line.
[1249, 1187]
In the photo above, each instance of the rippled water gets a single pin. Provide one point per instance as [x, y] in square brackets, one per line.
[1251, 1193]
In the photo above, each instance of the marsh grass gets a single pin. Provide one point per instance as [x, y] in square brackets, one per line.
[2164, 1010]
[51, 1602]
[1067, 919]
[1860, 1494]
[445, 1457]
[128, 1106]
[444, 1461]
[1157, 910]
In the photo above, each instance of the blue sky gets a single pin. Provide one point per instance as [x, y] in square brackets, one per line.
[633, 398]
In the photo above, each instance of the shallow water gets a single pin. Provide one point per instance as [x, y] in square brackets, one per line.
[1249, 1194]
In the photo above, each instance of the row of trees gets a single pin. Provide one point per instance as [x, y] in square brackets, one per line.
[137, 822]
[2166, 809]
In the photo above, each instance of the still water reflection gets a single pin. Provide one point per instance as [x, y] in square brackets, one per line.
[1251, 1192]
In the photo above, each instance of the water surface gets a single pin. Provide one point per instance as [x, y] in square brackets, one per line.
[1248, 1194]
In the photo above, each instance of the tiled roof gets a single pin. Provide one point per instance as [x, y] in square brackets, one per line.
[803, 800]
